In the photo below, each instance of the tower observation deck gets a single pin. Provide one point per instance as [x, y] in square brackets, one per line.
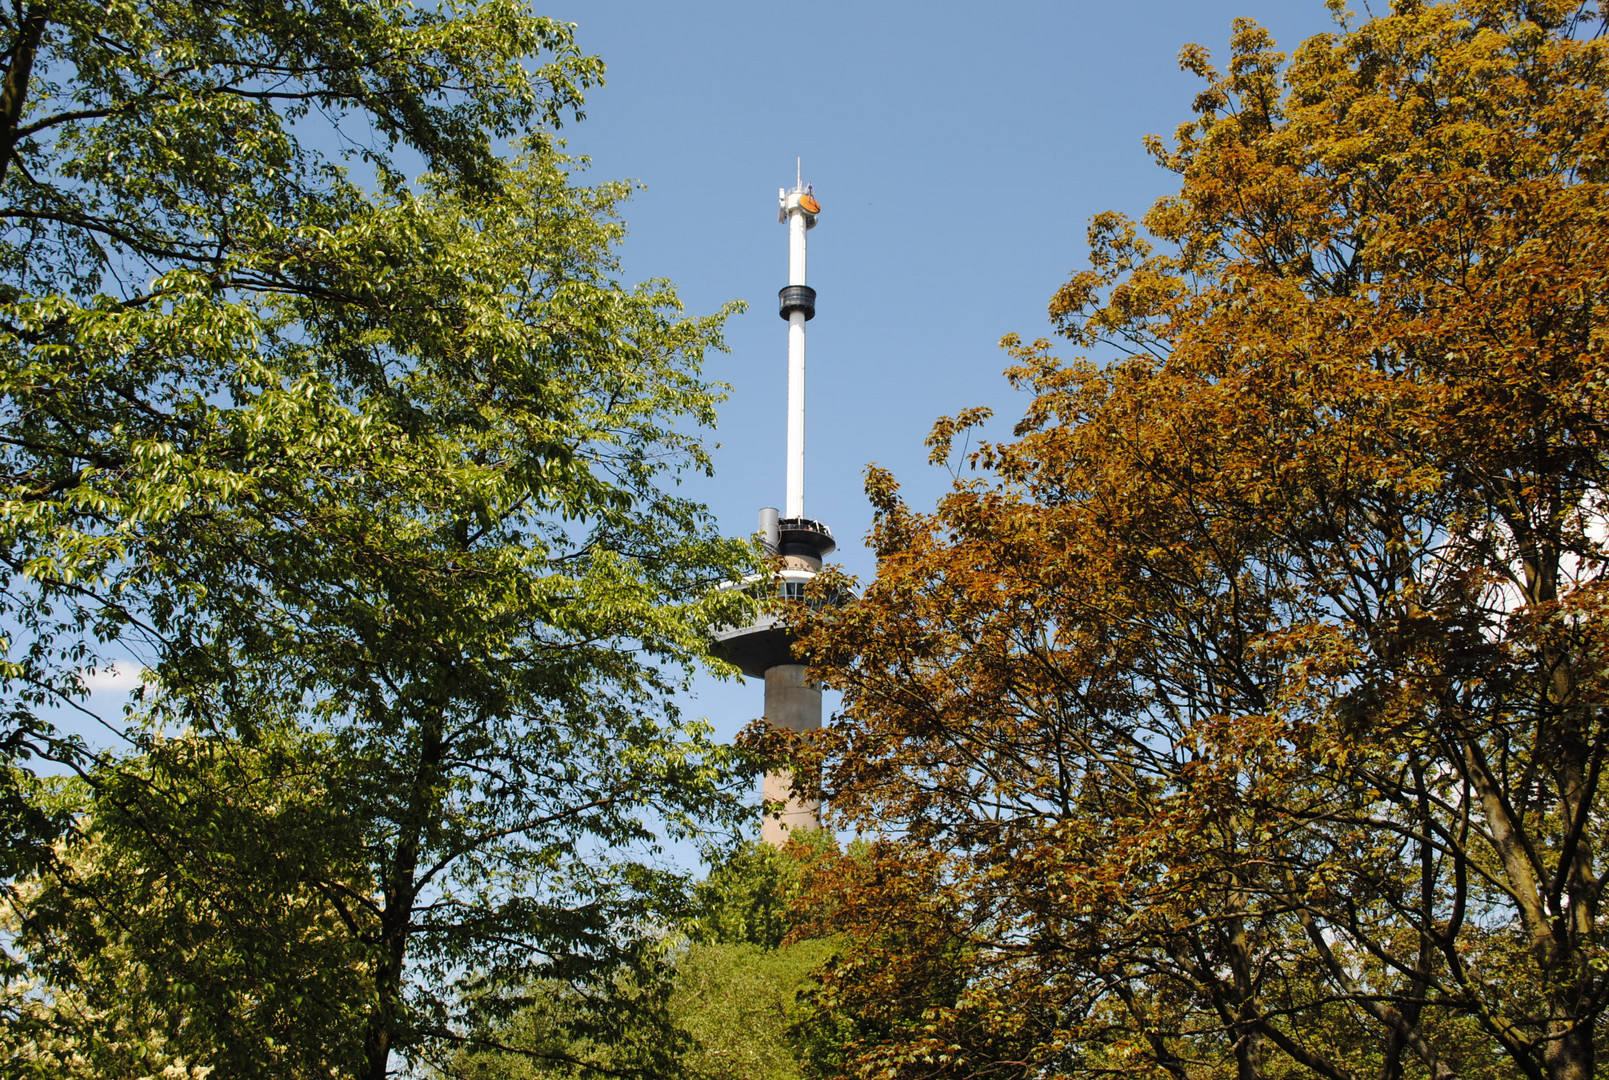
[764, 649]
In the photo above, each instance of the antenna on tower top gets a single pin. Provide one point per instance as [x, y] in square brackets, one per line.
[798, 173]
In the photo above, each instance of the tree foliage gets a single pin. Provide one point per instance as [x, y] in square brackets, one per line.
[180, 272]
[744, 989]
[197, 920]
[383, 459]
[1246, 718]
[731, 1002]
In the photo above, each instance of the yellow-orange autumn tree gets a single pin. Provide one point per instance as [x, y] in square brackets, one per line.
[1244, 714]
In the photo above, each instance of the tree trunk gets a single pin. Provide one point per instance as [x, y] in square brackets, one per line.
[382, 1026]
[401, 891]
[1569, 1053]
[19, 69]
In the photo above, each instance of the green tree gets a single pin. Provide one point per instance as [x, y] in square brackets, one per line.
[482, 625]
[162, 214]
[752, 895]
[386, 459]
[728, 1004]
[741, 1005]
[1247, 714]
[198, 919]
[742, 986]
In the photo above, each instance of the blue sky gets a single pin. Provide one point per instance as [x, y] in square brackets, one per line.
[958, 150]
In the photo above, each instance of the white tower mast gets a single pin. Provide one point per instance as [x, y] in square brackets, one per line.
[798, 208]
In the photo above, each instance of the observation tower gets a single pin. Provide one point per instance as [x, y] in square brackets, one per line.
[764, 649]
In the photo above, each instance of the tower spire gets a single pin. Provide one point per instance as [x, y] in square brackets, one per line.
[797, 301]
